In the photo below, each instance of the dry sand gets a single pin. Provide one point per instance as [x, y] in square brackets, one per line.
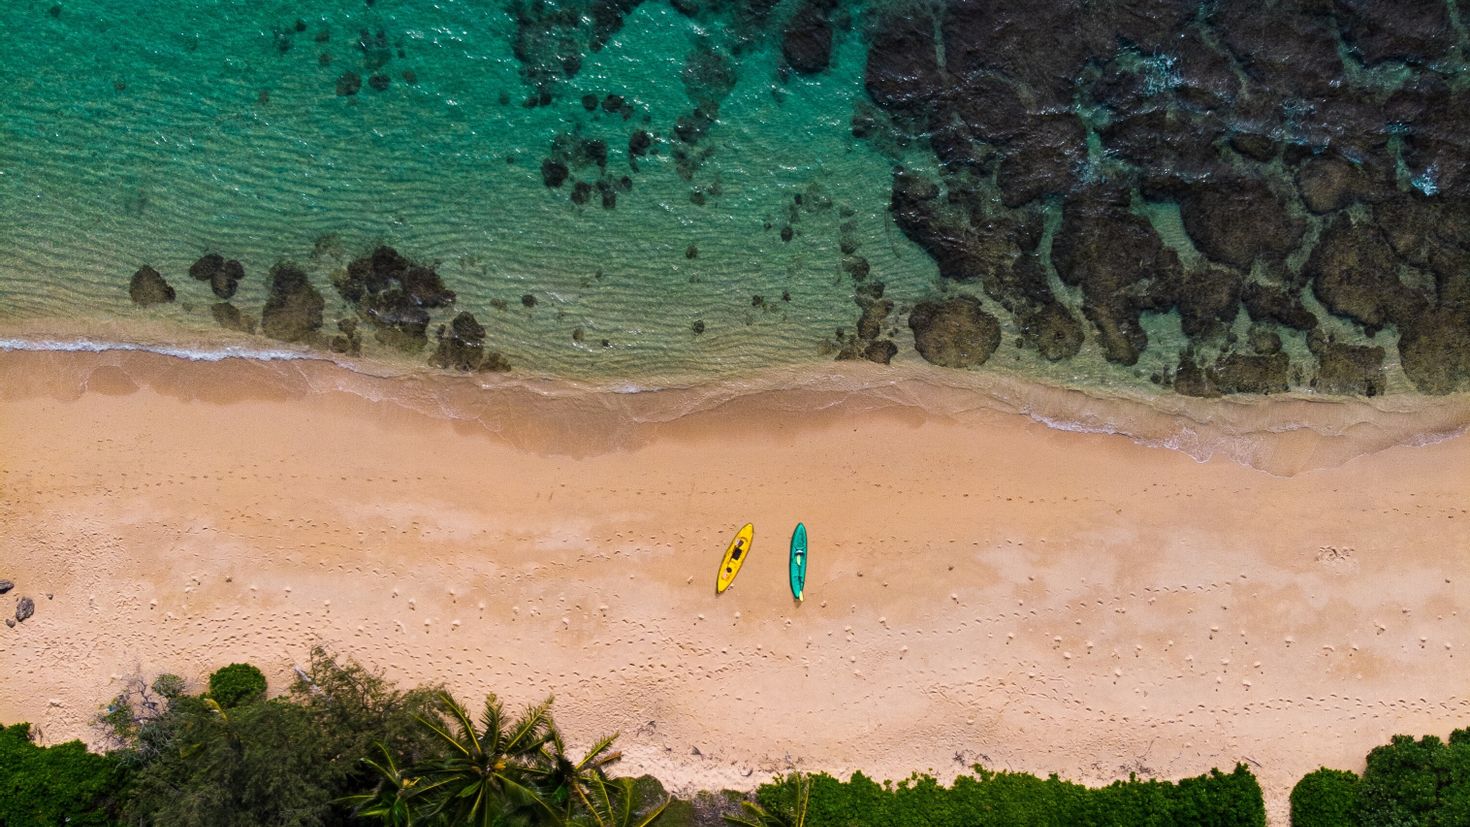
[983, 589]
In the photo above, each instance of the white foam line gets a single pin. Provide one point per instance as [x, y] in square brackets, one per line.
[191, 354]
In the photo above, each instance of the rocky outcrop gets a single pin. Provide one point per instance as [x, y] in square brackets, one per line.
[1236, 222]
[1353, 274]
[1383, 31]
[955, 332]
[1355, 370]
[1122, 267]
[395, 295]
[148, 287]
[1251, 373]
[807, 41]
[229, 317]
[24, 609]
[462, 347]
[223, 276]
[293, 311]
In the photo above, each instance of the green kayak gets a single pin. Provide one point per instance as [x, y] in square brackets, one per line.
[798, 561]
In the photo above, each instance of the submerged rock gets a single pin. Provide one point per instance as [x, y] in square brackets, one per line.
[807, 42]
[223, 276]
[1053, 331]
[462, 347]
[1251, 373]
[1236, 222]
[1352, 271]
[881, 351]
[1122, 267]
[1346, 369]
[348, 84]
[1382, 31]
[395, 295]
[148, 287]
[955, 332]
[293, 311]
[1265, 303]
[229, 317]
[1434, 348]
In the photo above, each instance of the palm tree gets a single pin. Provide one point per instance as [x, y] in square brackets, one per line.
[752, 814]
[572, 784]
[490, 777]
[393, 800]
[613, 802]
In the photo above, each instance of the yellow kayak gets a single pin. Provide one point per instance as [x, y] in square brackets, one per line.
[734, 557]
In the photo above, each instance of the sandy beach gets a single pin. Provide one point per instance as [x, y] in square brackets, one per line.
[983, 589]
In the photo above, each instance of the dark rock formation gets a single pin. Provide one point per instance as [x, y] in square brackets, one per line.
[223, 276]
[1263, 340]
[875, 312]
[24, 608]
[1274, 304]
[903, 73]
[348, 84]
[1331, 182]
[955, 332]
[807, 42]
[709, 76]
[1434, 348]
[229, 317]
[1192, 380]
[1043, 160]
[881, 351]
[1381, 31]
[1251, 373]
[293, 311]
[1352, 270]
[462, 347]
[395, 295]
[1122, 267]
[553, 172]
[1209, 299]
[148, 287]
[5, 586]
[1236, 221]
[1053, 331]
[639, 143]
[1346, 369]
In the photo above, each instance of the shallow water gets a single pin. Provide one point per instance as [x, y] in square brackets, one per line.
[157, 133]
[151, 134]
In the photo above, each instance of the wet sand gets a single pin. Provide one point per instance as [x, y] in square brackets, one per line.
[982, 588]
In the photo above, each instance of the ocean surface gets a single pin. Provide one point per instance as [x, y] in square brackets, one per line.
[746, 232]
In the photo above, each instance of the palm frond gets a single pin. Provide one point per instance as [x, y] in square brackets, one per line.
[598, 758]
[444, 736]
[491, 721]
[536, 718]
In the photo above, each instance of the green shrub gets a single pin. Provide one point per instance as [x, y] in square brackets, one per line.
[1006, 798]
[1325, 798]
[236, 684]
[289, 760]
[63, 784]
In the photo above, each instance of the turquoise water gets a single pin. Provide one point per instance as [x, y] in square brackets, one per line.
[152, 133]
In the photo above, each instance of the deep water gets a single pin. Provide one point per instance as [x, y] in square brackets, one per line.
[1179, 195]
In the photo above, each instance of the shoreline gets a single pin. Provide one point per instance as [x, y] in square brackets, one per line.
[982, 586]
[1283, 434]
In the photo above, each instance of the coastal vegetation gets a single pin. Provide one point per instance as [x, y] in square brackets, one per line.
[342, 746]
[1006, 798]
[1406, 781]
